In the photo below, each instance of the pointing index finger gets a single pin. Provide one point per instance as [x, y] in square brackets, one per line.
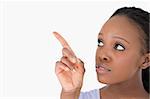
[63, 42]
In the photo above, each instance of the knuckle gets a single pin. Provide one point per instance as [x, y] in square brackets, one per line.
[63, 59]
[84, 70]
[64, 49]
[80, 61]
[57, 63]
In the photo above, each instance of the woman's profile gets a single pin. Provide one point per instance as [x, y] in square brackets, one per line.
[122, 59]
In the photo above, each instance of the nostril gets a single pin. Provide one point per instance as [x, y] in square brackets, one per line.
[104, 58]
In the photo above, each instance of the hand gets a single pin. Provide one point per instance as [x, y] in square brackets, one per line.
[70, 69]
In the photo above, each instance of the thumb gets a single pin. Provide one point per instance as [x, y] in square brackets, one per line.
[79, 65]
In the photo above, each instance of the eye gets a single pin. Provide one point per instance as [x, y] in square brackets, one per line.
[100, 43]
[119, 47]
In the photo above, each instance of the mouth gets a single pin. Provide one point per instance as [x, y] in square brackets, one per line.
[101, 68]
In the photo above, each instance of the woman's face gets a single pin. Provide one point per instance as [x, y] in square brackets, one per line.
[118, 55]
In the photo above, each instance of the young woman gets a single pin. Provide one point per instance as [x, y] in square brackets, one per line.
[122, 59]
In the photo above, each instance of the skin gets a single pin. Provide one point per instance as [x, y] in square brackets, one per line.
[69, 70]
[124, 79]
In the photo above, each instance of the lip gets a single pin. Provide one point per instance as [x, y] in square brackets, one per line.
[102, 68]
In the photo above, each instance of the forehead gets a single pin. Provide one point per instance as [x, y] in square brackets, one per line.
[122, 26]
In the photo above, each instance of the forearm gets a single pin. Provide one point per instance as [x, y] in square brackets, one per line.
[70, 95]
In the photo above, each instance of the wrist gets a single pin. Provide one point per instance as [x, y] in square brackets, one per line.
[71, 91]
[73, 94]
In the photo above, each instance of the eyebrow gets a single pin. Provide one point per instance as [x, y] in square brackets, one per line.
[121, 38]
[118, 37]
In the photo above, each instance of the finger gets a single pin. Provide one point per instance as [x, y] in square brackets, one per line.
[79, 66]
[67, 63]
[60, 67]
[69, 55]
[63, 41]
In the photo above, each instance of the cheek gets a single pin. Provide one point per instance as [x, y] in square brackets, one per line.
[124, 60]
[130, 60]
[125, 68]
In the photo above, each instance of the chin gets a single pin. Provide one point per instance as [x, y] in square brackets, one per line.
[104, 79]
[109, 80]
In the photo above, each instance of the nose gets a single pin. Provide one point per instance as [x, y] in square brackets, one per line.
[105, 58]
[103, 55]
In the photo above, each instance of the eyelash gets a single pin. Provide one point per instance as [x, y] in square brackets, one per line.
[115, 46]
[119, 44]
[99, 41]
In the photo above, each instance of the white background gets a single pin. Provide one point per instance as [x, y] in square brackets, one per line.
[28, 50]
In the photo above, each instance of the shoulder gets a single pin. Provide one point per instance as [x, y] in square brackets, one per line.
[92, 94]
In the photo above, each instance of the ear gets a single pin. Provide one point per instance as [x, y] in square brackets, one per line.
[146, 62]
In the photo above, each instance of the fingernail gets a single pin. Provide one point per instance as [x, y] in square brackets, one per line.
[74, 70]
[73, 59]
[66, 69]
[54, 33]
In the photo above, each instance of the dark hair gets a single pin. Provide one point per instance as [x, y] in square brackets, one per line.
[141, 18]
